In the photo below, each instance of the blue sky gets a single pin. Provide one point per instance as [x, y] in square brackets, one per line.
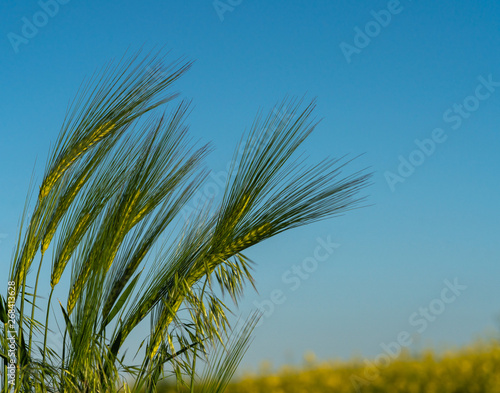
[418, 66]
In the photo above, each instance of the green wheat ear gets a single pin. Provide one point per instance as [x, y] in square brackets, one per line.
[77, 289]
[68, 249]
[66, 202]
[251, 238]
[71, 156]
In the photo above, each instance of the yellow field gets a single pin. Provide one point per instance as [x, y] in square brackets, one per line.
[475, 369]
[472, 369]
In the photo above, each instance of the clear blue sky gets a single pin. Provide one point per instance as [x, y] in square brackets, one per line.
[433, 65]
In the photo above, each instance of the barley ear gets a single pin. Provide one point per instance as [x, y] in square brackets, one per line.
[67, 250]
[77, 288]
[251, 238]
[71, 156]
[66, 201]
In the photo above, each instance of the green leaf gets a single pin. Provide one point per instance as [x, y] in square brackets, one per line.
[116, 345]
[69, 325]
[25, 357]
[3, 310]
[121, 301]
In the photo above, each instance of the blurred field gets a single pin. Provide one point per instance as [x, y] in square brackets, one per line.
[471, 369]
